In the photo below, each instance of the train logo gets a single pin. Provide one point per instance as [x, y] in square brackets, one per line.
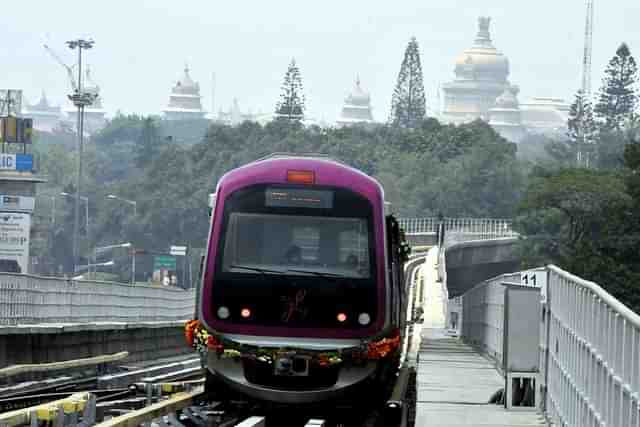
[294, 306]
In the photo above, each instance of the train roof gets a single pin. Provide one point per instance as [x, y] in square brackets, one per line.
[328, 171]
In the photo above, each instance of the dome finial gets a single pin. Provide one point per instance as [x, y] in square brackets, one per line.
[358, 80]
[484, 36]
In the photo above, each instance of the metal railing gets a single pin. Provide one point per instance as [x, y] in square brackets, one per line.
[487, 227]
[28, 299]
[483, 315]
[589, 348]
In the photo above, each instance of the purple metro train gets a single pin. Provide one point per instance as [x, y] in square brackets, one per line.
[302, 288]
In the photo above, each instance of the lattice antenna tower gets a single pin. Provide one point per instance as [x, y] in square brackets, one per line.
[584, 155]
[588, 48]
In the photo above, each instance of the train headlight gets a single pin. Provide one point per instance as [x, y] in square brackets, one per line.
[341, 317]
[364, 319]
[245, 312]
[223, 312]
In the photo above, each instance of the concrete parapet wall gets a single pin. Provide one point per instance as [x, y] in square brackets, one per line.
[27, 299]
[469, 263]
[55, 344]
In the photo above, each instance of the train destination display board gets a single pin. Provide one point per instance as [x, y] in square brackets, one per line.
[299, 198]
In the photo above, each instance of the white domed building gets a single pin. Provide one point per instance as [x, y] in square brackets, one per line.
[356, 108]
[505, 117]
[184, 101]
[46, 116]
[482, 74]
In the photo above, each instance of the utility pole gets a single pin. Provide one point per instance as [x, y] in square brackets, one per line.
[80, 99]
[584, 148]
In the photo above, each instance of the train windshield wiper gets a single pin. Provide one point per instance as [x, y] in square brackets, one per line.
[262, 271]
[317, 273]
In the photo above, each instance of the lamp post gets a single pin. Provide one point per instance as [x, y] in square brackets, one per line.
[80, 99]
[131, 202]
[135, 213]
[94, 265]
[86, 219]
[119, 245]
[53, 206]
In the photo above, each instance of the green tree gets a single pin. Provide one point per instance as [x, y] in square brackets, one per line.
[582, 220]
[291, 105]
[408, 104]
[147, 145]
[617, 99]
[581, 130]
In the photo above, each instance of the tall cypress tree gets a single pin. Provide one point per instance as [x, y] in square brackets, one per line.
[408, 104]
[581, 129]
[147, 143]
[617, 99]
[291, 105]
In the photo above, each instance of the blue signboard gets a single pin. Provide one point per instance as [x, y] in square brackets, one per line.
[24, 162]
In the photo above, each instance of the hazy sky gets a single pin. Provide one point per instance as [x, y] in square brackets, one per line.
[142, 45]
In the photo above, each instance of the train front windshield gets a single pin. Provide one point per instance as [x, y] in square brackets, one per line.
[273, 242]
[278, 241]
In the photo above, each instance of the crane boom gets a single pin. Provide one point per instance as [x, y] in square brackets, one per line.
[74, 86]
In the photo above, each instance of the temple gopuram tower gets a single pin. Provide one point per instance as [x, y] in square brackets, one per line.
[46, 117]
[184, 101]
[356, 108]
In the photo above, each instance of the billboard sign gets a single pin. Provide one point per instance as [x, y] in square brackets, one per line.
[16, 203]
[15, 229]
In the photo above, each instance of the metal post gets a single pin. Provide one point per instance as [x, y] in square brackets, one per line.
[133, 265]
[80, 100]
[95, 260]
[53, 210]
[86, 212]
[79, 177]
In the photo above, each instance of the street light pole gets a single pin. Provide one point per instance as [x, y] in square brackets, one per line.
[104, 248]
[86, 218]
[80, 100]
[135, 214]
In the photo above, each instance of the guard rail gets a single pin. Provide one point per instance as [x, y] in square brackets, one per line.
[27, 299]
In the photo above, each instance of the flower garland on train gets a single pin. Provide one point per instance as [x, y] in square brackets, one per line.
[199, 338]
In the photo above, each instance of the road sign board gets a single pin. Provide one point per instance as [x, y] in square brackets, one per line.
[166, 262]
[178, 250]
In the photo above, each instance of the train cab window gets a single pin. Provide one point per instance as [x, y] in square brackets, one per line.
[280, 243]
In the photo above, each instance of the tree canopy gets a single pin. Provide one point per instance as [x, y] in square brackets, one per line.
[466, 170]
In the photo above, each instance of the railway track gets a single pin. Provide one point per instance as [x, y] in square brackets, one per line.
[184, 404]
[135, 395]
